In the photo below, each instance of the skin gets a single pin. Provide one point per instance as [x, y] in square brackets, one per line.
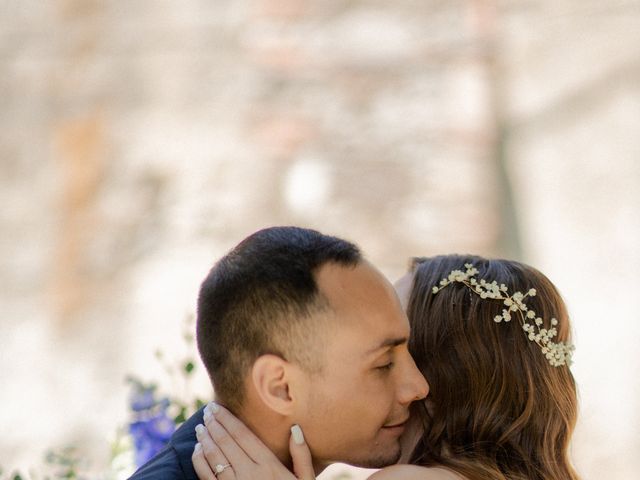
[348, 414]
[413, 472]
[413, 431]
[356, 410]
[226, 441]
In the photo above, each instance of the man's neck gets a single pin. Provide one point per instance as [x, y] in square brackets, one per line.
[271, 429]
[274, 431]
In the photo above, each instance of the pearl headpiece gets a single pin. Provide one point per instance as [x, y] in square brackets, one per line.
[557, 354]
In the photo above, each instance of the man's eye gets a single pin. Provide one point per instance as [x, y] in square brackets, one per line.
[386, 367]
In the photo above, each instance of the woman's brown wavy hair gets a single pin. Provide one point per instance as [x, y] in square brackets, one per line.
[496, 409]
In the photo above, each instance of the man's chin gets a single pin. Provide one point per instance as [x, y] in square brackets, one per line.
[380, 461]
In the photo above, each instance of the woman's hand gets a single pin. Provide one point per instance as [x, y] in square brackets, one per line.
[228, 450]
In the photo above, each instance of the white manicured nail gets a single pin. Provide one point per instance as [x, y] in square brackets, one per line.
[298, 437]
[213, 407]
[200, 429]
[207, 414]
[197, 448]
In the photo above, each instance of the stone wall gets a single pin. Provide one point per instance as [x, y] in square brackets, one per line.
[141, 140]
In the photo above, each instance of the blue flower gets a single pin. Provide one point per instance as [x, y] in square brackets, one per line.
[150, 435]
[151, 427]
[142, 399]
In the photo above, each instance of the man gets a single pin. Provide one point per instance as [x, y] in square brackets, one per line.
[296, 328]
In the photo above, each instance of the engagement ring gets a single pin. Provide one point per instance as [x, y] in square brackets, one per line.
[219, 468]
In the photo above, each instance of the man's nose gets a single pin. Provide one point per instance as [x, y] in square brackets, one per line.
[415, 386]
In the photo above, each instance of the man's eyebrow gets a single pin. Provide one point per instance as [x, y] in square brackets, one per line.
[389, 342]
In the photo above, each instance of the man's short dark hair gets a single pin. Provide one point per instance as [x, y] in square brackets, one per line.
[260, 299]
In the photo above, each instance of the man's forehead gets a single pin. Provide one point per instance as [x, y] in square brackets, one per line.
[347, 287]
[367, 314]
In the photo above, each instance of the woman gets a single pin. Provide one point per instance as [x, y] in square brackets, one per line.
[491, 337]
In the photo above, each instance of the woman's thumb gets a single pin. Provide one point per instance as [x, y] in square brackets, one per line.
[301, 456]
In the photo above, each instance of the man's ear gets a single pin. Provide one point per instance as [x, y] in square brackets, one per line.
[270, 376]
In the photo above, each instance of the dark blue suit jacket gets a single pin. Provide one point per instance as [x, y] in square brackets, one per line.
[174, 461]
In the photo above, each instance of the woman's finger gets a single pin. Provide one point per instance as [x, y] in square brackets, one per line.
[213, 455]
[203, 470]
[240, 433]
[301, 455]
[234, 454]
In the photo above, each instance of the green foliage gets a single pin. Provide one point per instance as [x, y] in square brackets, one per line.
[188, 367]
[66, 463]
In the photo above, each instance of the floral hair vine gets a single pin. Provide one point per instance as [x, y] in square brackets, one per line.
[557, 354]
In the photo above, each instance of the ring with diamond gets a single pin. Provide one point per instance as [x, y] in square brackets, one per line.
[219, 468]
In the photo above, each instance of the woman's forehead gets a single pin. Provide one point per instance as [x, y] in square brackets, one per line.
[403, 288]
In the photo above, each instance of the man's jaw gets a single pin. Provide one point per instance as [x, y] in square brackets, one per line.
[396, 423]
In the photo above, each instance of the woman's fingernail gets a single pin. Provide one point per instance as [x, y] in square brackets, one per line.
[200, 429]
[197, 448]
[213, 407]
[298, 437]
[207, 414]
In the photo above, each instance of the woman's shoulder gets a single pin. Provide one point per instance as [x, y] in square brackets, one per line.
[413, 472]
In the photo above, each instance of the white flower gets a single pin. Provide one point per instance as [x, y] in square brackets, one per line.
[556, 353]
